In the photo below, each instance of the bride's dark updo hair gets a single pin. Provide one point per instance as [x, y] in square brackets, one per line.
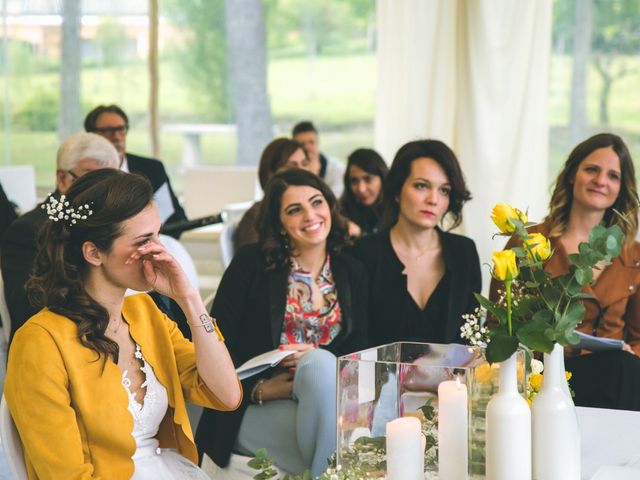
[60, 269]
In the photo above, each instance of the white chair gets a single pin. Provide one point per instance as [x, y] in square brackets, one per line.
[208, 189]
[182, 256]
[226, 243]
[11, 443]
[19, 183]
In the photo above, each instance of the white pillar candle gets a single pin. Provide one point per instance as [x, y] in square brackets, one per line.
[453, 430]
[405, 449]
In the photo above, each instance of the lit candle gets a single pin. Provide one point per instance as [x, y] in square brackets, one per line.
[452, 430]
[405, 449]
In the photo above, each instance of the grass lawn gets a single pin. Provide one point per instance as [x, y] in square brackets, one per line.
[337, 92]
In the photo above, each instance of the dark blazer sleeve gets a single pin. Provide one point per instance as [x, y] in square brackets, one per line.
[18, 253]
[154, 170]
[475, 279]
[7, 213]
[241, 309]
[353, 294]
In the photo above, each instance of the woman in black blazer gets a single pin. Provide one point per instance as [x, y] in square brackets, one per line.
[422, 279]
[293, 290]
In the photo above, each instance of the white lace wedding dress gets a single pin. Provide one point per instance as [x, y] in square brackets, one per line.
[151, 462]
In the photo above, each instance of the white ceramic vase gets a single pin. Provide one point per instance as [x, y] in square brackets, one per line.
[556, 437]
[508, 429]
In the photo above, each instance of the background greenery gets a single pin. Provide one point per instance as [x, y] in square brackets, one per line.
[321, 66]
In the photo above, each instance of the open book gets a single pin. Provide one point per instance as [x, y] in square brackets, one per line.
[262, 362]
[597, 344]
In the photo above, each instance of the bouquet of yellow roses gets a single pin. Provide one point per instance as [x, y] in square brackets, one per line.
[537, 309]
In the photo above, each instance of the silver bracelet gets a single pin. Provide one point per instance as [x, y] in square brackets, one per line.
[257, 388]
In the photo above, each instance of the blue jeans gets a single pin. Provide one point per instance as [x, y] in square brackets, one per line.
[298, 434]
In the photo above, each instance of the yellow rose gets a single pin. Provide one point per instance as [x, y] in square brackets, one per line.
[505, 267]
[538, 247]
[503, 215]
[568, 375]
[535, 380]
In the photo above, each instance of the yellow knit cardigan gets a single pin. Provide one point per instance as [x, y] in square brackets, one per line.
[72, 416]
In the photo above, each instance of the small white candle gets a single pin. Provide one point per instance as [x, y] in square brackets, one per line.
[405, 449]
[452, 430]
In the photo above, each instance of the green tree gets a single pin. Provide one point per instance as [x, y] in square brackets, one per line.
[616, 38]
[111, 38]
[200, 53]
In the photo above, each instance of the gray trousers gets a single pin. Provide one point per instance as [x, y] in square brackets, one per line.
[300, 433]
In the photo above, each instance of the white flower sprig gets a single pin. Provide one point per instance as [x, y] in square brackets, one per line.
[473, 330]
[60, 209]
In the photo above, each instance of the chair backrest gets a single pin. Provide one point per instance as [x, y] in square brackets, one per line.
[226, 243]
[19, 183]
[11, 443]
[207, 189]
[182, 256]
[4, 312]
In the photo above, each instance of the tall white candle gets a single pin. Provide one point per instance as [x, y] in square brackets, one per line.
[405, 449]
[452, 430]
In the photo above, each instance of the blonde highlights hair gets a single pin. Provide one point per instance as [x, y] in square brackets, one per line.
[626, 203]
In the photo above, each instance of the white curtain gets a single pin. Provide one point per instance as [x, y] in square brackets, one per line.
[479, 76]
[416, 72]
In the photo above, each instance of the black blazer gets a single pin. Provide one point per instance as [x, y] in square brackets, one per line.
[154, 170]
[7, 212]
[389, 312]
[18, 251]
[249, 307]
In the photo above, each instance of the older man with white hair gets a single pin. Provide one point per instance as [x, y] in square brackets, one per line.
[77, 155]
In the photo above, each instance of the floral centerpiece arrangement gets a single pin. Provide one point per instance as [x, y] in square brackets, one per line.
[537, 310]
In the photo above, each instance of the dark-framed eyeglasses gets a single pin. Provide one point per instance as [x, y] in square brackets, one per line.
[112, 130]
[74, 175]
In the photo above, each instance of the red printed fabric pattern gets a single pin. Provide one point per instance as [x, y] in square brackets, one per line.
[302, 322]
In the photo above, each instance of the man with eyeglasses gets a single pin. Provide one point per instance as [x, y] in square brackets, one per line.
[77, 155]
[112, 123]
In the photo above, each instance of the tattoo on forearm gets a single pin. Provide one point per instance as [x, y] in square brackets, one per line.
[206, 323]
[210, 325]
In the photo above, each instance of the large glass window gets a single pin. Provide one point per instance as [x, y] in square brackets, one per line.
[595, 74]
[321, 66]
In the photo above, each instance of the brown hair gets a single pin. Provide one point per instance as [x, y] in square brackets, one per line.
[273, 244]
[60, 268]
[275, 156]
[401, 169]
[626, 203]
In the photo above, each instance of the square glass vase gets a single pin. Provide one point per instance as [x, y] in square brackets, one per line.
[378, 385]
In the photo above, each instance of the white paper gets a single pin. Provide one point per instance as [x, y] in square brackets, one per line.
[262, 362]
[597, 344]
[163, 202]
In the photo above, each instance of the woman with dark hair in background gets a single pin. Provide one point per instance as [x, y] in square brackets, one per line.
[597, 185]
[422, 278]
[97, 383]
[281, 153]
[294, 290]
[361, 201]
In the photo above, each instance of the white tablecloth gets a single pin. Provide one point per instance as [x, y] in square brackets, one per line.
[610, 444]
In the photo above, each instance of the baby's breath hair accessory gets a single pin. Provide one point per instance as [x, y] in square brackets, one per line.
[59, 209]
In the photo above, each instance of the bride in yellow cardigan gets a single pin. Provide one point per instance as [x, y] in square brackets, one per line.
[96, 381]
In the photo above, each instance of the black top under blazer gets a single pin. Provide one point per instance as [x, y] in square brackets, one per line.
[249, 308]
[394, 316]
